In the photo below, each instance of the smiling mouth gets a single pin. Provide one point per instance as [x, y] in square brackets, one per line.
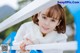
[45, 28]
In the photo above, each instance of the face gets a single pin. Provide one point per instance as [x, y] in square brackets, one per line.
[47, 24]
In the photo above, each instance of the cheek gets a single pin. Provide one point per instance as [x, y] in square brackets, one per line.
[41, 22]
[53, 25]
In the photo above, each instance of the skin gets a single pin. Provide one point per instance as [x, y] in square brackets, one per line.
[25, 42]
[46, 25]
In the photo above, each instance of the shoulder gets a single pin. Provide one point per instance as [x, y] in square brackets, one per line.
[59, 35]
[27, 23]
[62, 37]
[25, 26]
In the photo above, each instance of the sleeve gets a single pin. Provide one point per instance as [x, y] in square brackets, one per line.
[63, 38]
[19, 36]
[60, 38]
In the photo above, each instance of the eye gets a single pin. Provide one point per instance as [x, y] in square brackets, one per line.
[44, 17]
[53, 20]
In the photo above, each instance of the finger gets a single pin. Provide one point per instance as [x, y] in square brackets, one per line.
[28, 40]
[23, 49]
[22, 46]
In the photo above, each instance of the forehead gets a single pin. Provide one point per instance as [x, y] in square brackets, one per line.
[51, 13]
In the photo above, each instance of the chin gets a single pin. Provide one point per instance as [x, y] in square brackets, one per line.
[45, 31]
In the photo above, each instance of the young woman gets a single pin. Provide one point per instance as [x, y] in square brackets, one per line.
[48, 26]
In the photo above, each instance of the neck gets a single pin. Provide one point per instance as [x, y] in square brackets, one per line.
[44, 34]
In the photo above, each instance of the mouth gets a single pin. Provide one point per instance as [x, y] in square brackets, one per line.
[45, 28]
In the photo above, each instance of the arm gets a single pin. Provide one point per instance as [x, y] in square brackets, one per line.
[25, 43]
[60, 38]
[19, 36]
[63, 39]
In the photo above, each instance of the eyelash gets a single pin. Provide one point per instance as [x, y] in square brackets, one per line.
[53, 20]
[44, 17]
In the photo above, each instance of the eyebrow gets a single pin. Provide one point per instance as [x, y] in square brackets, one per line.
[43, 14]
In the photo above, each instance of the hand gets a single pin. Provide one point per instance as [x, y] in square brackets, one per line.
[26, 42]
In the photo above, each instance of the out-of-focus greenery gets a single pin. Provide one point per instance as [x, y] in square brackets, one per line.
[69, 17]
[70, 21]
[4, 34]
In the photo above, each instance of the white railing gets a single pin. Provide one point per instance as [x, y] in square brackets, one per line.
[56, 46]
[26, 12]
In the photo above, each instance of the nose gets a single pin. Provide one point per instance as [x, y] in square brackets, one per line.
[47, 23]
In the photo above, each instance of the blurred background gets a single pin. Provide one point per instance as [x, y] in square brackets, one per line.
[9, 7]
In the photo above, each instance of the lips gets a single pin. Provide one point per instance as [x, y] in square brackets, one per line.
[45, 28]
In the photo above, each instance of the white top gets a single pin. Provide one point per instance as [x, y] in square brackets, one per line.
[32, 31]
